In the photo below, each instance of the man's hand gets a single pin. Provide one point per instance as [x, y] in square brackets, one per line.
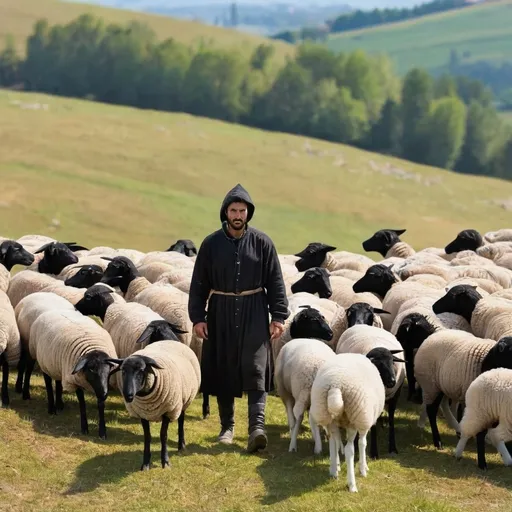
[201, 330]
[276, 329]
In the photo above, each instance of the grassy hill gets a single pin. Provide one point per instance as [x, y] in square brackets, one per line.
[483, 31]
[17, 17]
[131, 178]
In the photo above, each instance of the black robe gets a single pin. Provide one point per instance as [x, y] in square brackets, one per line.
[237, 355]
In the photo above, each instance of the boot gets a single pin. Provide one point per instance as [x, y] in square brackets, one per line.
[227, 419]
[256, 401]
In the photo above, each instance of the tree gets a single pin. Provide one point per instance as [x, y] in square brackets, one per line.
[444, 86]
[386, 133]
[444, 131]
[10, 64]
[417, 92]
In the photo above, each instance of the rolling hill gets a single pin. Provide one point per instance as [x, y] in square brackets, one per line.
[118, 176]
[101, 174]
[17, 17]
[478, 32]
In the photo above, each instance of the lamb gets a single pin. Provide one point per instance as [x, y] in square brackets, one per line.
[317, 255]
[124, 321]
[388, 244]
[468, 239]
[9, 343]
[445, 365]
[383, 349]
[295, 371]
[11, 253]
[75, 350]
[159, 382]
[184, 246]
[488, 402]
[348, 391]
[489, 317]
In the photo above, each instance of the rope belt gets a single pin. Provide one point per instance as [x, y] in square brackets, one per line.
[233, 294]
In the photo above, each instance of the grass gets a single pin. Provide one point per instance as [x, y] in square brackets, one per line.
[507, 116]
[17, 17]
[46, 464]
[109, 175]
[482, 30]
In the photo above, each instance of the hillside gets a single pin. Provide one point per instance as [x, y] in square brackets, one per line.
[82, 171]
[128, 177]
[17, 17]
[478, 32]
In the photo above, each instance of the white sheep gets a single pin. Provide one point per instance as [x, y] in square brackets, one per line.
[295, 371]
[158, 383]
[347, 392]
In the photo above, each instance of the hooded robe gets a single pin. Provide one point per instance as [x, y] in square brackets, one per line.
[237, 355]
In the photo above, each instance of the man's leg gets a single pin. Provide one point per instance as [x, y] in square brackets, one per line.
[256, 401]
[227, 418]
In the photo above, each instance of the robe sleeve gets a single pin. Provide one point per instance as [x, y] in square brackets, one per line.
[199, 287]
[274, 283]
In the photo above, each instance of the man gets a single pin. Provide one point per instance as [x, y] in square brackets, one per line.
[237, 272]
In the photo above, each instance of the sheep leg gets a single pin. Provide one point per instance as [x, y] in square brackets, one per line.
[315, 432]
[480, 448]
[460, 412]
[49, 394]
[449, 417]
[102, 427]
[83, 413]
[349, 457]
[28, 373]
[59, 404]
[164, 454]
[206, 406]
[22, 363]
[181, 432]
[363, 466]
[333, 452]
[289, 414]
[460, 447]
[391, 413]
[423, 416]
[496, 436]
[295, 433]
[432, 417]
[5, 380]
[374, 451]
[147, 445]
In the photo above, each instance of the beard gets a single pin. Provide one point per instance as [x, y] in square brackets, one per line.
[236, 224]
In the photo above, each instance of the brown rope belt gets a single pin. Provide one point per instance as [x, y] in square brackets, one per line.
[233, 294]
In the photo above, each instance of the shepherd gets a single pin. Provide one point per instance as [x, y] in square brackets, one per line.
[237, 284]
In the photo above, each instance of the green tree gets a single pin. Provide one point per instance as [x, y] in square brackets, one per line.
[444, 131]
[10, 64]
[320, 61]
[386, 133]
[37, 66]
[444, 86]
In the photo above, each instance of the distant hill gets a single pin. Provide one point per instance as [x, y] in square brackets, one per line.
[17, 17]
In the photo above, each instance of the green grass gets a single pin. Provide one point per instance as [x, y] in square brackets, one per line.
[507, 116]
[17, 17]
[133, 178]
[141, 179]
[482, 30]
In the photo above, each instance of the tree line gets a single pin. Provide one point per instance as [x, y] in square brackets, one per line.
[352, 98]
[362, 19]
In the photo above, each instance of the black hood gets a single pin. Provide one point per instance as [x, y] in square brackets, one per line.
[237, 194]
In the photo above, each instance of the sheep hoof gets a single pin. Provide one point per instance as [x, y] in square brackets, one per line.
[144, 467]
[352, 488]
[166, 465]
[59, 406]
[26, 396]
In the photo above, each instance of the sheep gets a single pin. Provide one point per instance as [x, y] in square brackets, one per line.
[381, 280]
[430, 280]
[502, 235]
[484, 286]
[75, 350]
[12, 253]
[26, 312]
[386, 355]
[159, 382]
[500, 275]
[295, 371]
[33, 242]
[85, 276]
[445, 365]
[173, 258]
[175, 276]
[353, 275]
[9, 343]
[184, 246]
[70, 270]
[124, 321]
[388, 244]
[153, 271]
[56, 256]
[317, 255]
[489, 317]
[348, 391]
[488, 404]
[468, 239]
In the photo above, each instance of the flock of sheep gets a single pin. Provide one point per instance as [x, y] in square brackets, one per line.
[438, 318]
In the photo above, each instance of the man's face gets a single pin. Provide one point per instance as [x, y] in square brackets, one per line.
[237, 215]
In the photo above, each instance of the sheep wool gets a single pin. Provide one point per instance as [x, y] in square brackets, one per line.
[400, 250]
[351, 262]
[492, 318]
[5, 277]
[59, 338]
[153, 271]
[344, 295]
[9, 332]
[171, 389]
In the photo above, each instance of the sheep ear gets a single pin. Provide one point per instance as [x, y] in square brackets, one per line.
[80, 365]
[396, 360]
[399, 231]
[151, 362]
[396, 351]
[146, 334]
[176, 329]
[74, 247]
[43, 247]
[111, 362]
[107, 258]
[381, 311]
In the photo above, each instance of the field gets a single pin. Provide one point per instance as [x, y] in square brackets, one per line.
[17, 17]
[482, 31]
[95, 174]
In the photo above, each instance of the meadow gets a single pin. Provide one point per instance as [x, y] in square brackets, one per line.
[106, 175]
[481, 32]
